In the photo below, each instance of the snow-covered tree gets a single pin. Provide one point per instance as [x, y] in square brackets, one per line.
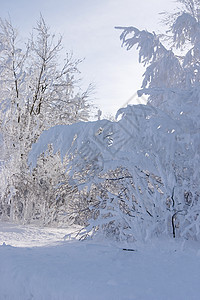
[168, 74]
[172, 83]
[141, 173]
[37, 92]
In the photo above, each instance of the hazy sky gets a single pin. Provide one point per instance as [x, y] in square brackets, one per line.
[87, 27]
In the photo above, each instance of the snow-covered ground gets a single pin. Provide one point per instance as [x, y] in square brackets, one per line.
[38, 263]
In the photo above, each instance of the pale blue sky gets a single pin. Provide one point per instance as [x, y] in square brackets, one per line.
[88, 30]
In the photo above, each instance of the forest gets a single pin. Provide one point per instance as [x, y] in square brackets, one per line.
[128, 179]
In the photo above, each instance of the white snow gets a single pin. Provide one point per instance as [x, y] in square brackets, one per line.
[37, 263]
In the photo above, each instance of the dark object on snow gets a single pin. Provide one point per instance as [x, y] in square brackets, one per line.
[125, 249]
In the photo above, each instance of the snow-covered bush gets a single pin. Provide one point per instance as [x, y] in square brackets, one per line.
[143, 171]
[136, 171]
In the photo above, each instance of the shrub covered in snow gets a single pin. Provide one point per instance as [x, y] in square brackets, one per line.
[143, 171]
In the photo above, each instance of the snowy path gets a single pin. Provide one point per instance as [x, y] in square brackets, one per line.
[31, 236]
[61, 270]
